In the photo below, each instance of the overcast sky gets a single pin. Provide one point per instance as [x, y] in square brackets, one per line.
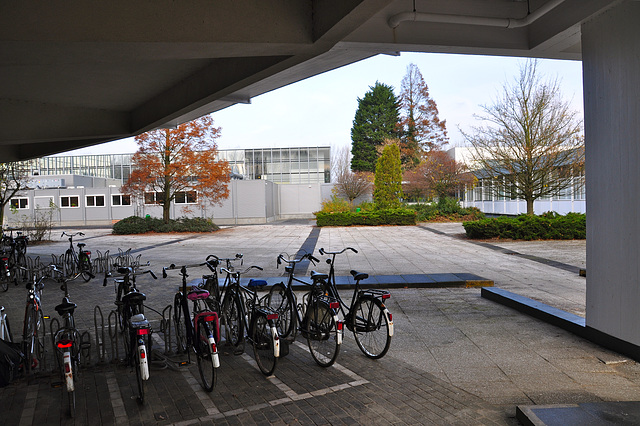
[319, 111]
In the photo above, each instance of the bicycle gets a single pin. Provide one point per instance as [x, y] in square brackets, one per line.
[80, 262]
[67, 341]
[211, 282]
[134, 324]
[200, 333]
[33, 332]
[366, 316]
[242, 310]
[5, 329]
[315, 317]
[13, 257]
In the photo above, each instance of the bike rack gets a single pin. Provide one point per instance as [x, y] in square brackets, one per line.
[102, 351]
[53, 341]
[113, 335]
[165, 328]
[85, 347]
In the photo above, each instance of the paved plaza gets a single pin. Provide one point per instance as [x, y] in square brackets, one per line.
[455, 358]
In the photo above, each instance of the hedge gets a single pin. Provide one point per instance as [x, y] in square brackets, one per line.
[370, 218]
[138, 225]
[549, 226]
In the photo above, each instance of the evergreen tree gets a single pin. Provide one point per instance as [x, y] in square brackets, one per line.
[376, 120]
[388, 179]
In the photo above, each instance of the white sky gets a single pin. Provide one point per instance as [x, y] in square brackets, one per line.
[319, 111]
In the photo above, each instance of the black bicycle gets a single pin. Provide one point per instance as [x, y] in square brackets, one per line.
[77, 262]
[201, 333]
[133, 323]
[13, 259]
[242, 310]
[366, 316]
[33, 332]
[315, 318]
[211, 283]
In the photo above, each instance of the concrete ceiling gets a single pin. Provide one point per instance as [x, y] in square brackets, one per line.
[77, 73]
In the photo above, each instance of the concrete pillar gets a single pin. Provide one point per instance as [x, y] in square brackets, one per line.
[611, 68]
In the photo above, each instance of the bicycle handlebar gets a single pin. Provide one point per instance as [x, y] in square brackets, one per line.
[225, 270]
[322, 251]
[309, 256]
[72, 235]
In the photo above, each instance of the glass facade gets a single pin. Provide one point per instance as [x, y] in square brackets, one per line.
[280, 165]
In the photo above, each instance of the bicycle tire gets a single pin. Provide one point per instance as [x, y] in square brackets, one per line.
[322, 333]
[69, 264]
[181, 327]
[4, 281]
[281, 301]
[232, 315]
[370, 327]
[8, 336]
[39, 338]
[205, 356]
[85, 267]
[28, 335]
[263, 345]
[22, 275]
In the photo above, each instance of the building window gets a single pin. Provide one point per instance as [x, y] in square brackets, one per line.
[69, 201]
[187, 197]
[154, 197]
[95, 200]
[20, 203]
[120, 200]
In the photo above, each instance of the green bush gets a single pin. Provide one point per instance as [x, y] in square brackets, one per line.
[399, 216]
[336, 204]
[138, 225]
[447, 209]
[548, 226]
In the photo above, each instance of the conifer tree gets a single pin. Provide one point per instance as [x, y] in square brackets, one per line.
[387, 191]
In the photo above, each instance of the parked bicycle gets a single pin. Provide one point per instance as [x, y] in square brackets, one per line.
[315, 318]
[33, 332]
[67, 340]
[13, 255]
[366, 316]
[134, 324]
[211, 282]
[242, 310]
[77, 262]
[198, 331]
[5, 329]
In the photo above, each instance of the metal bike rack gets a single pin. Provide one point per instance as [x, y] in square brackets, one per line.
[113, 335]
[165, 328]
[102, 351]
[85, 347]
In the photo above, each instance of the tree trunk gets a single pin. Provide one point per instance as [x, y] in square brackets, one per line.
[530, 207]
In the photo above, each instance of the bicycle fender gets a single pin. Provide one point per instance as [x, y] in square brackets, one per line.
[214, 352]
[144, 363]
[339, 327]
[276, 341]
[68, 372]
[390, 318]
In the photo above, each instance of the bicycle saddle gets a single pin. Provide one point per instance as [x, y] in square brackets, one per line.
[359, 275]
[65, 307]
[257, 283]
[315, 276]
[134, 297]
[80, 245]
[197, 294]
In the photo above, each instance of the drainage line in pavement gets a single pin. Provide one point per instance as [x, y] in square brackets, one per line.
[548, 262]
[308, 246]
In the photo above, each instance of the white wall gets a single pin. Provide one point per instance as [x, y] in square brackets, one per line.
[611, 69]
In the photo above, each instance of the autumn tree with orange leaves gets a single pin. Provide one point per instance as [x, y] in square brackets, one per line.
[176, 162]
[438, 175]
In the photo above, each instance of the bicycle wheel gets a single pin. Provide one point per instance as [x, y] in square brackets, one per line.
[22, 275]
[282, 302]
[232, 315]
[181, 327]
[28, 337]
[370, 327]
[4, 279]
[72, 394]
[85, 267]
[322, 333]
[8, 337]
[69, 264]
[263, 344]
[205, 356]
[39, 338]
[139, 379]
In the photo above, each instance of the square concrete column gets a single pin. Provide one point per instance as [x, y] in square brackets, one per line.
[611, 68]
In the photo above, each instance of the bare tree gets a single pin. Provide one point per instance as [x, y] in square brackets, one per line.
[348, 184]
[531, 143]
[13, 178]
[437, 175]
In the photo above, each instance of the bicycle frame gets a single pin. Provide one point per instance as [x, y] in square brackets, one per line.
[5, 331]
[78, 261]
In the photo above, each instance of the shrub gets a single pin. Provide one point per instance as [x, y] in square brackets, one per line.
[447, 209]
[138, 225]
[398, 216]
[549, 226]
[336, 204]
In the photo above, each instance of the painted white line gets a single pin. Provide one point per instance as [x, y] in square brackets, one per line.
[204, 397]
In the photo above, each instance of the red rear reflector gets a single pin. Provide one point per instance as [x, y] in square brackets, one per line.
[142, 331]
[390, 317]
[272, 316]
[334, 305]
[340, 325]
[143, 355]
[209, 318]
[67, 368]
[88, 253]
[65, 344]
[386, 296]
[214, 348]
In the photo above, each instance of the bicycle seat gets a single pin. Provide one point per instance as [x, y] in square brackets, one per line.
[257, 283]
[359, 275]
[134, 297]
[65, 307]
[80, 245]
[139, 321]
[197, 294]
[317, 276]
